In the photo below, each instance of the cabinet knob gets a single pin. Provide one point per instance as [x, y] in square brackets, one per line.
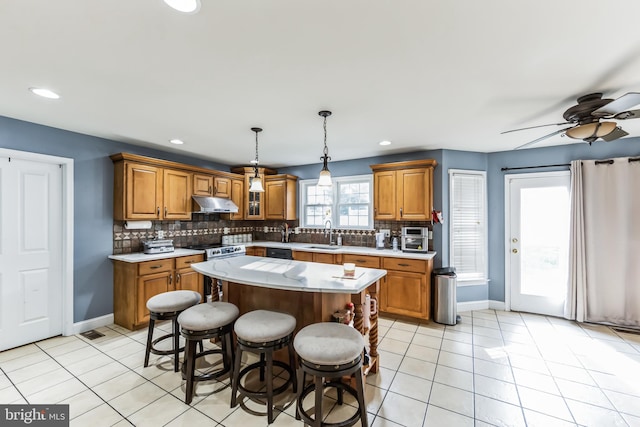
[178, 278]
[170, 278]
[515, 251]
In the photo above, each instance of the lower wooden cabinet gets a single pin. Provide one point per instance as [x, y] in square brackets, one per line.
[135, 283]
[315, 257]
[257, 251]
[406, 289]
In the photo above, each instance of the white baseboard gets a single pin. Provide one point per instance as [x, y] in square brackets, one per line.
[480, 305]
[96, 322]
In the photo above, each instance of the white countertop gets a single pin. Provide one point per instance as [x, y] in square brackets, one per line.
[288, 274]
[141, 257]
[358, 250]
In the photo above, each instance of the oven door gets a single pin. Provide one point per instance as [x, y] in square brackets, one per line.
[414, 244]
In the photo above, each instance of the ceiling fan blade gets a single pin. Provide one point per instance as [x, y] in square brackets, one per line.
[535, 127]
[625, 115]
[615, 134]
[542, 138]
[619, 105]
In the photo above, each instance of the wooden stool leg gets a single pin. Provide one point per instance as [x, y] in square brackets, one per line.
[292, 361]
[190, 356]
[301, 377]
[318, 409]
[149, 340]
[236, 377]
[176, 343]
[363, 407]
[269, 361]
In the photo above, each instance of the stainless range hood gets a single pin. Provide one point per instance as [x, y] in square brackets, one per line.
[215, 205]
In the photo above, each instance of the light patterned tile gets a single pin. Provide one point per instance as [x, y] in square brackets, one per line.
[454, 377]
[81, 403]
[405, 326]
[589, 415]
[103, 415]
[438, 417]
[399, 335]
[535, 380]
[540, 401]
[158, 412]
[536, 419]
[382, 379]
[191, 417]
[411, 386]
[18, 353]
[427, 341]
[419, 368]
[43, 382]
[452, 399]
[625, 403]
[454, 360]
[498, 413]
[570, 373]
[497, 371]
[496, 389]
[423, 353]
[58, 392]
[102, 374]
[583, 393]
[457, 347]
[403, 410]
[393, 346]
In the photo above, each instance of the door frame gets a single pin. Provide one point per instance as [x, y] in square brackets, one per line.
[66, 164]
[507, 224]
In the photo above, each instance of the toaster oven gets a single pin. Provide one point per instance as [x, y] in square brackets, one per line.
[415, 239]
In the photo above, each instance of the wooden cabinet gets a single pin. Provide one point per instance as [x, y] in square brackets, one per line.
[144, 191]
[406, 288]
[237, 196]
[320, 257]
[257, 251]
[280, 197]
[403, 190]
[202, 184]
[253, 202]
[367, 261]
[222, 187]
[135, 283]
[302, 256]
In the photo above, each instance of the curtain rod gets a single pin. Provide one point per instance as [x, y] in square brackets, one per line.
[598, 162]
[535, 167]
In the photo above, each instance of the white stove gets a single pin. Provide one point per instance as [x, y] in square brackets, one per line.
[216, 251]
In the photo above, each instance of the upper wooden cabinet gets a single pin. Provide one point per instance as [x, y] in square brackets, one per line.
[202, 184]
[403, 190]
[280, 195]
[237, 197]
[143, 192]
[278, 201]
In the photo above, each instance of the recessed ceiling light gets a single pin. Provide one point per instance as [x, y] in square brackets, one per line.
[184, 6]
[176, 141]
[385, 142]
[45, 93]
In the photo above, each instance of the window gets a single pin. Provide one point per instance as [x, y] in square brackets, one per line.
[348, 203]
[468, 225]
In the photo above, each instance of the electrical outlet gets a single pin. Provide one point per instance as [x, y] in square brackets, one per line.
[430, 235]
[386, 231]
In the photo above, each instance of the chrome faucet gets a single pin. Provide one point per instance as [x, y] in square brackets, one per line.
[331, 242]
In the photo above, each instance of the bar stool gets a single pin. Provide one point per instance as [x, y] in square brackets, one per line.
[206, 321]
[262, 332]
[167, 306]
[329, 351]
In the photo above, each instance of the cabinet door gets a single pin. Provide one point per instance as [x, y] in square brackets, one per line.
[414, 194]
[190, 280]
[222, 187]
[323, 258]
[202, 185]
[237, 196]
[384, 198]
[143, 192]
[302, 256]
[275, 192]
[148, 286]
[254, 201]
[177, 194]
[405, 293]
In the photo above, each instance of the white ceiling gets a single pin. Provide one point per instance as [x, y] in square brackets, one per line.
[424, 74]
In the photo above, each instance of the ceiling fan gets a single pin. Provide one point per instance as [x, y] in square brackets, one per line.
[586, 118]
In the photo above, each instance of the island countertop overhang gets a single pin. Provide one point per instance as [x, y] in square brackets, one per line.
[289, 275]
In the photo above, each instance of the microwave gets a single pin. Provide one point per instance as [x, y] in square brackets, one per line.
[415, 239]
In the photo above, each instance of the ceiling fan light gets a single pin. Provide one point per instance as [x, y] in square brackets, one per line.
[589, 130]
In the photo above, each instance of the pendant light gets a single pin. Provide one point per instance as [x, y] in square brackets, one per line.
[325, 175]
[256, 182]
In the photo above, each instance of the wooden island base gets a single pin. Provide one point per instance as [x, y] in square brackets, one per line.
[307, 307]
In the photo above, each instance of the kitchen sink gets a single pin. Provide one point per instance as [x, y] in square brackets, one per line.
[323, 247]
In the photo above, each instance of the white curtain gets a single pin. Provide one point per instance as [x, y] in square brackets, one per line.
[604, 285]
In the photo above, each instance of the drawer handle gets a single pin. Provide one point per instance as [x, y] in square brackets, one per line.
[361, 260]
[153, 267]
[178, 278]
[171, 279]
[403, 265]
[165, 211]
[158, 211]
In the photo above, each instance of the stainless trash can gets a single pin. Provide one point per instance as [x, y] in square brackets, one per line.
[444, 296]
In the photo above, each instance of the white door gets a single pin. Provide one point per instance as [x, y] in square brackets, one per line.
[537, 231]
[30, 251]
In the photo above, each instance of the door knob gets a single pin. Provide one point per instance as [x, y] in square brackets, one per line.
[514, 250]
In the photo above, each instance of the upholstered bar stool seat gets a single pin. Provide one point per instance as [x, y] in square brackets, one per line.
[262, 332]
[167, 306]
[329, 351]
[206, 321]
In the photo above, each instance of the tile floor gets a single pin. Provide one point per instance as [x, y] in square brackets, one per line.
[494, 368]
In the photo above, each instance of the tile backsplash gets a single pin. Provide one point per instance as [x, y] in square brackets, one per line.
[209, 229]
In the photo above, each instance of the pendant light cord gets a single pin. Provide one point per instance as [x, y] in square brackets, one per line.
[326, 149]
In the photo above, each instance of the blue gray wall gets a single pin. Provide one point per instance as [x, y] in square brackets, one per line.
[93, 198]
[93, 202]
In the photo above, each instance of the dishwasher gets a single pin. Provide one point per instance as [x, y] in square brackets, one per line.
[281, 253]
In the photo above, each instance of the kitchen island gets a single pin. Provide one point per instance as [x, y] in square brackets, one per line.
[309, 291]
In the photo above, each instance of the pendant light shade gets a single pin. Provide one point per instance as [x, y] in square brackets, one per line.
[256, 182]
[325, 176]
